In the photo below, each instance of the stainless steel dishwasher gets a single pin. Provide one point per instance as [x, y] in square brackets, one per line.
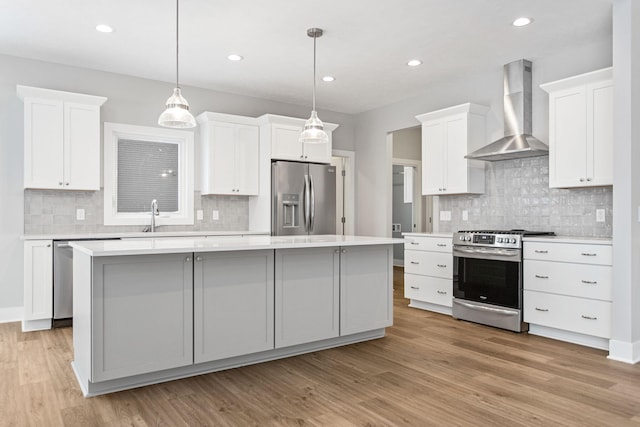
[62, 284]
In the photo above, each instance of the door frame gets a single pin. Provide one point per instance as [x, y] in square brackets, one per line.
[349, 188]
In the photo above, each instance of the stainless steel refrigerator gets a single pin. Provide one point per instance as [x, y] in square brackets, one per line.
[303, 198]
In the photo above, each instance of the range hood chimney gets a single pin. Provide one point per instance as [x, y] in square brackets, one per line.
[518, 141]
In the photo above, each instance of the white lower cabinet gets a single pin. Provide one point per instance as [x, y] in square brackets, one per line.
[568, 289]
[366, 288]
[307, 295]
[233, 304]
[428, 272]
[141, 314]
[38, 283]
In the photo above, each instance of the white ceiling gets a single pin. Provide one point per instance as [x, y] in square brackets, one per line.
[365, 46]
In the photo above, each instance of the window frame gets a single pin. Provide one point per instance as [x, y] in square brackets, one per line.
[185, 141]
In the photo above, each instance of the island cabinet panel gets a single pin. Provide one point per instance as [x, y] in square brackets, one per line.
[307, 295]
[233, 304]
[366, 288]
[142, 314]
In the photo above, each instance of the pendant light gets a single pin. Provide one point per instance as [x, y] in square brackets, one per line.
[177, 114]
[314, 129]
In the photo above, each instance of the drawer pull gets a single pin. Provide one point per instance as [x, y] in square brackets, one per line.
[541, 277]
[415, 243]
[588, 254]
[441, 265]
[538, 251]
[442, 292]
[415, 287]
[415, 262]
[588, 282]
[589, 317]
[542, 309]
[441, 245]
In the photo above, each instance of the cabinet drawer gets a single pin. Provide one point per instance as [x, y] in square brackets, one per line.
[569, 252]
[435, 264]
[568, 313]
[580, 280]
[428, 289]
[424, 243]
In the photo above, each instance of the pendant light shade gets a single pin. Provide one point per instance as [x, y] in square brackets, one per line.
[177, 113]
[313, 128]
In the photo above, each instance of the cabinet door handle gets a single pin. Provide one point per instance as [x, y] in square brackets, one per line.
[66, 183]
[581, 179]
[198, 258]
[442, 292]
[49, 245]
[589, 179]
[60, 183]
[589, 282]
[441, 245]
[542, 309]
[344, 251]
[415, 262]
[415, 287]
[588, 254]
[415, 243]
[541, 277]
[337, 251]
[589, 317]
[441, 265]
[187, 259]
[538, 251]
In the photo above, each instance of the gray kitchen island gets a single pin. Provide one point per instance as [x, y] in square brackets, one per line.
[160, 309]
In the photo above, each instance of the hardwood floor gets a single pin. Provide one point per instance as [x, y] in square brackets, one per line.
[429, 370]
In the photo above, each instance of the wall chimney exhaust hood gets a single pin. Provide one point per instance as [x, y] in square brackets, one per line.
[518, 141]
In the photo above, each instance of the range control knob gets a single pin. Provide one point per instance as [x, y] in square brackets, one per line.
[461, 238]
[499, 239]
[467, 238]
[513, 240]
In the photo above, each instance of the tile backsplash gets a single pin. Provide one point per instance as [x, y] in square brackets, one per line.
[517, 195]
[54, 212]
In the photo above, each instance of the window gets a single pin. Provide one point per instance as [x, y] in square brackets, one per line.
[142, 164]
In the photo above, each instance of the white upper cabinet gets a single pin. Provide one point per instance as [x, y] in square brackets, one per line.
[581, 130]
[447, 136]
[230, 152]
[61, 139]
[285, 132]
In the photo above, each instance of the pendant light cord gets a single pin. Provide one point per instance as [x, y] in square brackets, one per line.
[177, 44]
[314, 71]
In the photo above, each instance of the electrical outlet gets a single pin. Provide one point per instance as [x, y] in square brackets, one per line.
[445, 215]
[80, 214]
[216, 215]
[465, 215]
[199, 215]
[599, 215]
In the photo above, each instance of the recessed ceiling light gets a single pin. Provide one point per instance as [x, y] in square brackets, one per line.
[234, 57]
[328, 79]
[104, 28]
[521, 22]
[414, 63]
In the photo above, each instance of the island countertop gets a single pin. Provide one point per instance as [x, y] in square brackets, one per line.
[148, 246]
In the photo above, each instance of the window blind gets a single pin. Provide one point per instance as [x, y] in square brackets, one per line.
[147, 170]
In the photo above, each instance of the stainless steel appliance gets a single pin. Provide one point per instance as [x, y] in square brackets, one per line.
[487, 277]
[303, 198]
[62, 284]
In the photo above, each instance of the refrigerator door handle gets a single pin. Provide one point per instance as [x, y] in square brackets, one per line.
[312, 210]
[307, 201]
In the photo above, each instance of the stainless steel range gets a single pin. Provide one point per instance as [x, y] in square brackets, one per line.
[487, 277]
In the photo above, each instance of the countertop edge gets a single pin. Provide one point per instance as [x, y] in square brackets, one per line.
[570, 239]
[140, 234]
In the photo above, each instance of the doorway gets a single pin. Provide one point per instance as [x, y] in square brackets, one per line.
[344, 161]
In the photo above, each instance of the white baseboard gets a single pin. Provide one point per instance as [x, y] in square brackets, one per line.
[36, 325]
[627, 352]
[430, 307]
[572, 337]
[10, 314]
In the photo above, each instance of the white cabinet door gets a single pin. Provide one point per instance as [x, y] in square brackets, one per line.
[455, 149]
[247, 156]
[142, 314]
[366, 288]
[581, 130]
[221, 158]
[38, 279]
[318, 153]
[81, 146]
[433, 155]
[233, 304]
[285, 142]
[307, 295]
[43, 143]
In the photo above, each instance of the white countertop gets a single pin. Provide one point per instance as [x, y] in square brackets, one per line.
[570, 239]
[223, 243]
[136, 234]
[444, 235]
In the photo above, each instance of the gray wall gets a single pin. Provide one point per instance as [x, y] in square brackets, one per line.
[482, 87]
[131, 100]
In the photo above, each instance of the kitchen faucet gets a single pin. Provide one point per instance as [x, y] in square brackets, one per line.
[154, 212]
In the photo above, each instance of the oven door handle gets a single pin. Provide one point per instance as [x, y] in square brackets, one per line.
[491, 309]
[490, 254]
